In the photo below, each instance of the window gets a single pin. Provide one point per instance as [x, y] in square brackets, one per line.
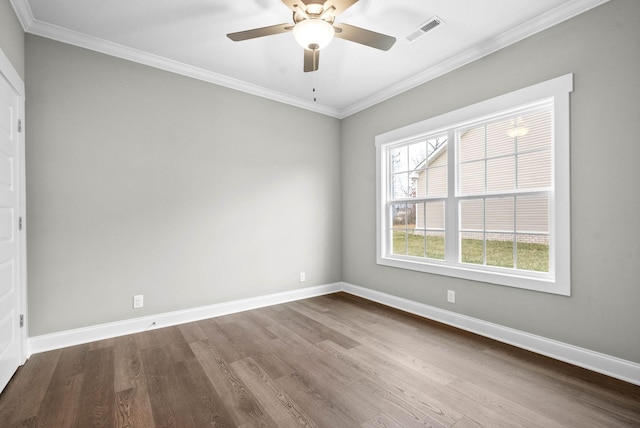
[482, 193]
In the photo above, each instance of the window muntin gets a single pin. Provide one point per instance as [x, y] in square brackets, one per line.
[495, 207]
[504, 160]
[418, 171]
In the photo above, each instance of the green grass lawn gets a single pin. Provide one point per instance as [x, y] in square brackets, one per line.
[533, 257]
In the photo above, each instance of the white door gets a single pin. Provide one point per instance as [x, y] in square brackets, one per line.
[11, 234]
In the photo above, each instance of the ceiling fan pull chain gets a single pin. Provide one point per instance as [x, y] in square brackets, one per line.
[314, 88]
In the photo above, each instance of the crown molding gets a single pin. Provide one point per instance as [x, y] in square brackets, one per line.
[60, 34]
[507, 38]
[553, 17]
[23, 12]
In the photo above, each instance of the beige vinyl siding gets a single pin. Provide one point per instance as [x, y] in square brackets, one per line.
[504, 156]
[432, 182]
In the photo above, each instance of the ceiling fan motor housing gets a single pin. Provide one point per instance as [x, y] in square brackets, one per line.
[312, 10]
[313, 29]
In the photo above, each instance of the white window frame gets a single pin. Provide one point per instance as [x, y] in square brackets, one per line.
[558, 279]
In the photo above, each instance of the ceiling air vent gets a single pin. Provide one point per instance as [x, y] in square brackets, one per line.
[425, 28]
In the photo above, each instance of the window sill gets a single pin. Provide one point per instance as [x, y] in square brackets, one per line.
[541, 282]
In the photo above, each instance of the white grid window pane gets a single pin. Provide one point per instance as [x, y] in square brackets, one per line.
[398, 157]
[417, 155]
[532, 213]
[538, 131]
[437, 179]
[499, 250]
[472, 215]
[471, 144]
[398, 216]
[400, 186]
[499, 215]
[501, 174]
[535, 170]
[435, 215]
[499, 140]
[507, 220]
[472, 178]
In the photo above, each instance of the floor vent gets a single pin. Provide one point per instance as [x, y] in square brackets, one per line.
[425, 28]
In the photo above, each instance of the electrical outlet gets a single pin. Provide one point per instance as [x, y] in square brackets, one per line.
[303, 277]
[138, 301]
[451, 296]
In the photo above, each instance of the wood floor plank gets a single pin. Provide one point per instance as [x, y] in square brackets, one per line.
[124, 414]
[440, 354]
[221, 335]
[71, 363]
[557, 402]
[134, 407]
[467, 423]
[394, 405]
[381, 421]
[329, 361]
[280, 406]
[192, 332]
[201, 399]
[315, 404]
[423, 399]
[388, 372]
[23, 395]
[65, 396]
[128, 363]
[328, 319]
[240, 402]
[502, 403]
[267, 358]
[167, 404]
[398, 355]
[97, 398]
[311, 330]
[438, 401]
[157, 337]
[245, 336]
[299, 354]
[627, 410]
[28, 423]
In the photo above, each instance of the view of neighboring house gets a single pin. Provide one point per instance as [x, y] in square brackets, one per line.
[504, 170]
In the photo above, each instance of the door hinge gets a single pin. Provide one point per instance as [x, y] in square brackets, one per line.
[19, 125]
[21, 320]
[19, 223]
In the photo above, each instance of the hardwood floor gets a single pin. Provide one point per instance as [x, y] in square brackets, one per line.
[331, 361]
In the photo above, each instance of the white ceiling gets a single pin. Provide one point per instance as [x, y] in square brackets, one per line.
[189, 37]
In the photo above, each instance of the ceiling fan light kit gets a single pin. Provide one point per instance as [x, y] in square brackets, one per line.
[313, 34]
[313, 29]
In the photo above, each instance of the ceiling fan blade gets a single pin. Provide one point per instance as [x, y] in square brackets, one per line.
[311, 60]
[339, 5]
[260, 32]
[364, 37]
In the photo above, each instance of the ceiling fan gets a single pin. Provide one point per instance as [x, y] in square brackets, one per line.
[314, 27]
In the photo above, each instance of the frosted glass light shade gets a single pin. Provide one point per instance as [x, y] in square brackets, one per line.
[313, 33]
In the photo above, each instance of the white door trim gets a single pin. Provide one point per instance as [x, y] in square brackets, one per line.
[14, 79]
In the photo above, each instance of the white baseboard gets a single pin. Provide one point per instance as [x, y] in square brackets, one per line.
[48, 342]
[601, 363]
[591, 360]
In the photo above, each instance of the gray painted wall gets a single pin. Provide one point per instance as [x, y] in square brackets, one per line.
[603, 312]
[11, 37]
[140, 181]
